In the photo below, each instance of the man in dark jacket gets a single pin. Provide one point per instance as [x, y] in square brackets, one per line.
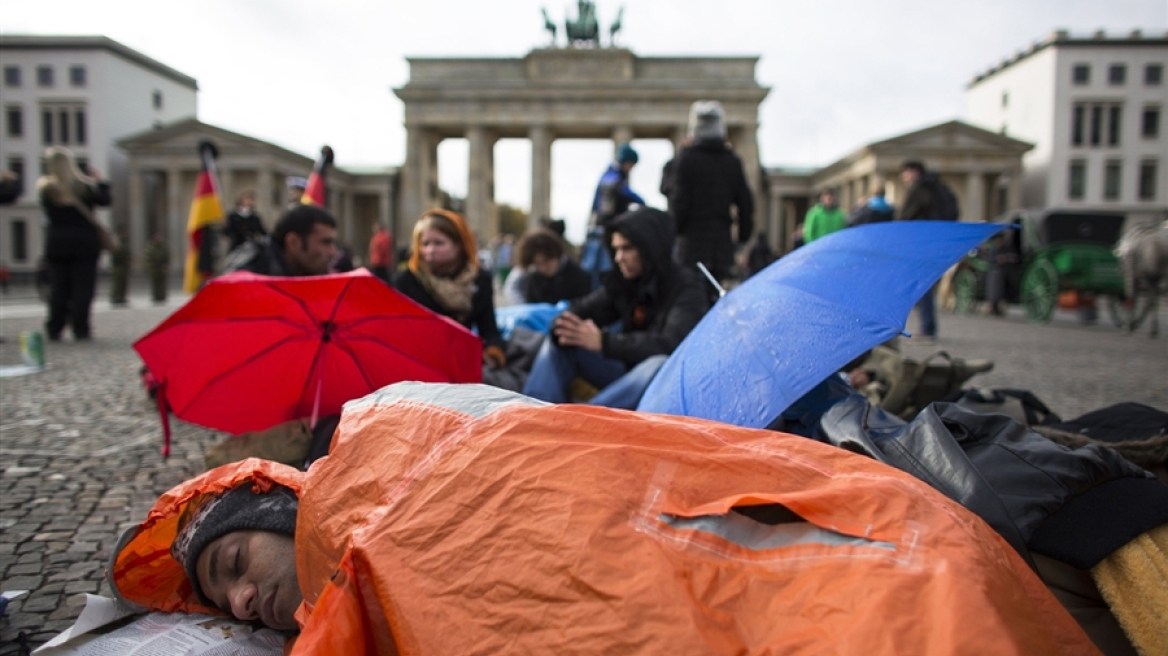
[707, 181]
[303, 243]
[918, 205]
[243, 224]
[655, 303]
[612, 198]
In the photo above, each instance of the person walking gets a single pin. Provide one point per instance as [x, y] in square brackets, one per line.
[707, 181]
[74, 242]
[926, 198]
[824, 218]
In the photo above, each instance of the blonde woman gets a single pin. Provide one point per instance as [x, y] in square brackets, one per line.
[73, 244]
[444, 276]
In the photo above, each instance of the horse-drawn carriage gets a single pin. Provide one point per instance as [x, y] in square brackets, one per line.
[1052, 258]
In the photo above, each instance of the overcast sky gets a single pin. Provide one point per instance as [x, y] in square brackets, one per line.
[842, 73]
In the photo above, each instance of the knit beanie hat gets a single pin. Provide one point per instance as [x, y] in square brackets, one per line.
[297, 181]
[239, 509]
[626, 155]
[707, 120]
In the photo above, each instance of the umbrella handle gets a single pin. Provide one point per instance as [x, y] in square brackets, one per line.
[164, 413]
[319, 389]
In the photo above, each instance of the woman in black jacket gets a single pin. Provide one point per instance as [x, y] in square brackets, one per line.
[444, 276]
[73, 244]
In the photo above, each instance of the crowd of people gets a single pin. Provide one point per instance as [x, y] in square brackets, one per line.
[627, 302]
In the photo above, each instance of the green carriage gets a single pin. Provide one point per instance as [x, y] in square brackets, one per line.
[1055, 257]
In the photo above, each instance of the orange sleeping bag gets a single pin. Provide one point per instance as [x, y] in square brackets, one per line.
[468, 520]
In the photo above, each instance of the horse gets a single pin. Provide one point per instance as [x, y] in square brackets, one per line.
[1143, 259]
[548, 24]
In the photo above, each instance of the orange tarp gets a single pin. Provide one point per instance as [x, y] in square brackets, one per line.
[468, 520]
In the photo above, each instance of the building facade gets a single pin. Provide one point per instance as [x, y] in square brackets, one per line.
[84, 93]
[163, 164]
[1094, 108]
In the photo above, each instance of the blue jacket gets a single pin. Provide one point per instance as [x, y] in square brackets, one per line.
[613, 195]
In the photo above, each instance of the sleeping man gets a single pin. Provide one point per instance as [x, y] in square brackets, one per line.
[458, 519]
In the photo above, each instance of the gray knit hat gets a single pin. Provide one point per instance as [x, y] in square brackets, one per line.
[707, 120]
[238, 509]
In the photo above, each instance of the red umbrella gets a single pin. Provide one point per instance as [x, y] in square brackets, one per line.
[249, 351]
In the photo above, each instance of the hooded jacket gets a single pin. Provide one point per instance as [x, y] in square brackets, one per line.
[467, 520]
[658, 309]
[707, 180]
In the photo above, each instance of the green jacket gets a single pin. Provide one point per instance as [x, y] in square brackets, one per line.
[821, 221]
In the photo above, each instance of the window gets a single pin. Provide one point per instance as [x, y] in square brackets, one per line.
[1081, 74]
[1096, 125]
[19, 240]
[16, 165]
[1153, 74]
[1112, 179]
[1150, 123]
[1078, 181]
[1147, 190]
[13, 121]
[47, 127]
[1116, 74]
[77, 76]
[157, 99]
[81, 125]
[1005, 98]
[45, 76]
[64, 123]
[63, 115]
[1092, 123]
[1078, 121]
[1115, 113]
[11, 76]
[83, 165]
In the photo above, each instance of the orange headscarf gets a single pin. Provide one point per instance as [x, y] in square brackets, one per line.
[469, 248]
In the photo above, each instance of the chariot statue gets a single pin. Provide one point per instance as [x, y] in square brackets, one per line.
[584, 30]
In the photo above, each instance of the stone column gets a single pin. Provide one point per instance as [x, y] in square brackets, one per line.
[774, 221]
[347, 221]
[480, 187]
[176, 219]
[138, 234]
[746, 145]
[227, 188]
[269, 212]
[621, 134]
[419, 174]
[1014, 192]
[383, 217]
[541, 173]
[974, 208]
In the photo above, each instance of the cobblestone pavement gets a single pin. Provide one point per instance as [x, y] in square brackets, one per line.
[79, 442]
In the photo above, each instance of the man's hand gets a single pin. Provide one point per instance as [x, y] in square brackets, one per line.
[571, 330]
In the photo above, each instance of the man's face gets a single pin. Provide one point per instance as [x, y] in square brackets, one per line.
[544, 265]
[909, 176]
[311, 256]
[627, 166]
[294, 194]
[828, 199]
[627, 258]
[252, 575]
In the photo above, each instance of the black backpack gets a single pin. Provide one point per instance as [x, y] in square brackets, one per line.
[945, 206]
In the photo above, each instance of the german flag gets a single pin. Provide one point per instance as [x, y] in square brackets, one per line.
[316, 193]
[206, 213]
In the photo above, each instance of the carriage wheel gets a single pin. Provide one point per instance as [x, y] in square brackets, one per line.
[965, 292]
[1040, 286]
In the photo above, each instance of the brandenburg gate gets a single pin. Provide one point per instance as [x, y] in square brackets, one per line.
[561, 93]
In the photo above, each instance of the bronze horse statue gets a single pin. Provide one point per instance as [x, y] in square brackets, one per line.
[584, 30]
[1143, 259]
[548, 24]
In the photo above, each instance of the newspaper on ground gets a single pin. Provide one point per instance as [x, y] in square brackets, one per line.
[108, 628]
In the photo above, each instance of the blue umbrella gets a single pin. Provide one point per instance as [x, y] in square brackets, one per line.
[770, 340]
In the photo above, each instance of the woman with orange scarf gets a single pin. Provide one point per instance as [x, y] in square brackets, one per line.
[444, 276]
